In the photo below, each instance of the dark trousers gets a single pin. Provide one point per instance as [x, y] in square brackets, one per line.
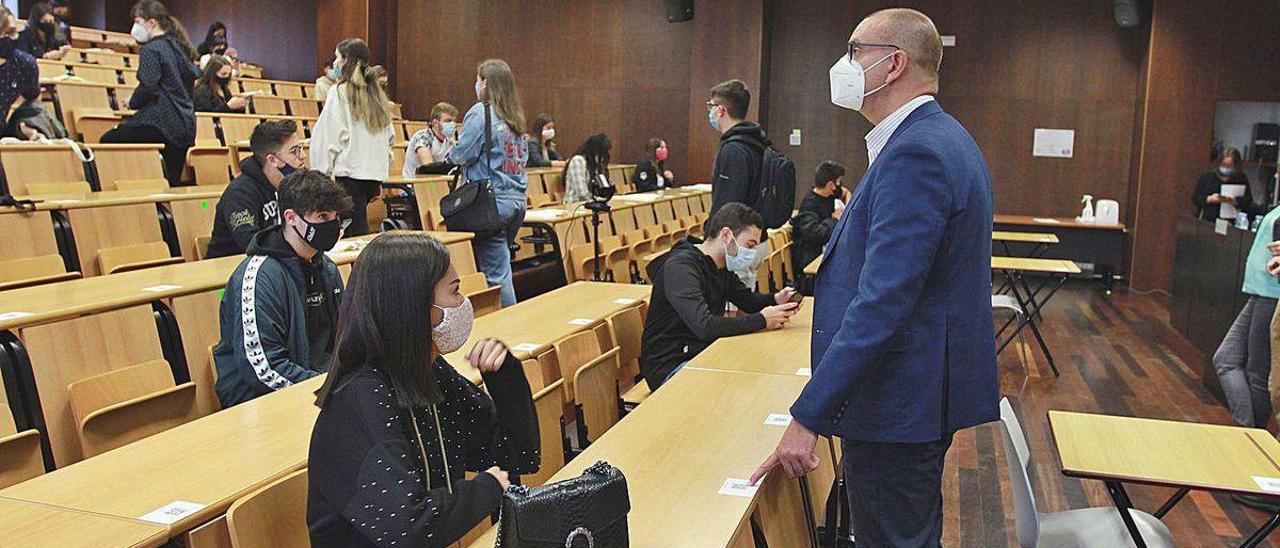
[175, 156]
[361, 192]
[895, 492]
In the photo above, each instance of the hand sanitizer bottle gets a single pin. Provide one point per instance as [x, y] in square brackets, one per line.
[1086, 216]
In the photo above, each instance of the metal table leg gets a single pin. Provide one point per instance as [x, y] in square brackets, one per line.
[1029, 318]
[1123, 504]
[1261, 534]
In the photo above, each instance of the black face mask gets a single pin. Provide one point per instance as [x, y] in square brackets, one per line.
[321, 236]
[46, 28]
[6, 48]
[222, 80]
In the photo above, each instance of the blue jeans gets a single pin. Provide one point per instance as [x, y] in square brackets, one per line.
[493, 252]
[895, 492]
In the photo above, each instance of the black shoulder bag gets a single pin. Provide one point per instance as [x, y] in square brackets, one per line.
[473, 206]
[589, 511]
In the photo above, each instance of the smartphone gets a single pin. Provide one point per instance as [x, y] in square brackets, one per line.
[796, 298]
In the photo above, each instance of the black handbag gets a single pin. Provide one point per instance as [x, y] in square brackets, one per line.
[473, 206]
[589, 511]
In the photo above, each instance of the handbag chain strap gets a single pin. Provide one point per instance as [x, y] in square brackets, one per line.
[418, 434]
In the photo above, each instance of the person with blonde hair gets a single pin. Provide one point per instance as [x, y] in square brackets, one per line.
[502, 164]
[352, 138]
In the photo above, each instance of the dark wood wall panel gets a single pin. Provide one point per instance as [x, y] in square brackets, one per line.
[612, 67]
[1050, 65]
[280, 36]
[728, 42]
[1199, 54]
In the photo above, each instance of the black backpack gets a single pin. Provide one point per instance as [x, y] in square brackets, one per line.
[775, 189]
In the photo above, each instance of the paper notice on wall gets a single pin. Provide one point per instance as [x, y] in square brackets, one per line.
[1054, 143]
[1226, 210]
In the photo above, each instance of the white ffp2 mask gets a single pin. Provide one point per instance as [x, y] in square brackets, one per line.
[849, 82]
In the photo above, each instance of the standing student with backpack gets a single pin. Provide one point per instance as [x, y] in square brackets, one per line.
[747, 168]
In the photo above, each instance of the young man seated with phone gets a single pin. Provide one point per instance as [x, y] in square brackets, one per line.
[692, 284]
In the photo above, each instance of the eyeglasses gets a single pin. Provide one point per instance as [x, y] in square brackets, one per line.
[712, 104]
[854, 45]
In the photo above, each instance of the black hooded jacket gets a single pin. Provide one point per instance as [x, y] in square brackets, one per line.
[246, 206]
[736, 172]
[686, 309]
[278, 318]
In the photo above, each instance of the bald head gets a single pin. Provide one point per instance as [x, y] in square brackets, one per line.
[911, 31]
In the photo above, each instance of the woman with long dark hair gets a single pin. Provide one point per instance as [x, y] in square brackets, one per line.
[1209, 196]
[651, 171]
[505, 166]
[212, 93]
[166, 74]
[542, 143]
[352, 139]
[43, 39]
[398, 425]
[590, 163]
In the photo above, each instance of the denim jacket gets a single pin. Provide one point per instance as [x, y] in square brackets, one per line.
[508, 154]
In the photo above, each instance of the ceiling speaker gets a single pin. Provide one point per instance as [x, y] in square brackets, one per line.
[679, 11]
[1127, 13]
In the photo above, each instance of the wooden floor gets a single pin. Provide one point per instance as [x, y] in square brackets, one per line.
[1117, 355]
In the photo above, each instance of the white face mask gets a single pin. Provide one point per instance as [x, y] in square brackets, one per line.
[140, 33]
[454, 328]
[849, 82]
[548, 134]
[448, 129]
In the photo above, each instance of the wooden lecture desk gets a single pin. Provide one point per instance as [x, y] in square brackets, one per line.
[108, 218]
[30, 524]
[680, 447]
[1015, 270]
[1100, 244]
[215, 460]
[783, 351]
[1182, 455]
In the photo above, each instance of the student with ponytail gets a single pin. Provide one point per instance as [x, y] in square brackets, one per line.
[166, 74]
[352, 139]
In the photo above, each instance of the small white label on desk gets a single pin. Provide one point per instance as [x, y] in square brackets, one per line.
[804, 372]
[580, 321]
[1047, 221]
[172, 512]
[63, 201]
[624, 301]
[161, 288]
[526, 347]
[164, 195]
[1268, 484]
[1220, 226]
[778, 419]
[738, 488]
[13, 315]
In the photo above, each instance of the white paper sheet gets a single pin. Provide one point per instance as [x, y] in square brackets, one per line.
[1228, 211]
[1054, 143]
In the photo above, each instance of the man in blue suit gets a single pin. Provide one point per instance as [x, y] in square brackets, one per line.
[903, 349]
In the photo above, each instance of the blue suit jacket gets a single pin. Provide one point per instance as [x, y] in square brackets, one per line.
[903, 344]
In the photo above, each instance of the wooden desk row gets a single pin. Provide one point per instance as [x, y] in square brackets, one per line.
[119, 321]
[572, 225]
[77, 226]
[214, 460]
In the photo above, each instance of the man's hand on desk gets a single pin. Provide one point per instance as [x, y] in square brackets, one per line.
[794, 453]
[785, 296]
[776, 317]
[1273, 266]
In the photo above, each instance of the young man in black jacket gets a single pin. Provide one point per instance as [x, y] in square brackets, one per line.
[249, 202]
[279, 312]
[818, 214]
[692, 283]
[736, 172]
